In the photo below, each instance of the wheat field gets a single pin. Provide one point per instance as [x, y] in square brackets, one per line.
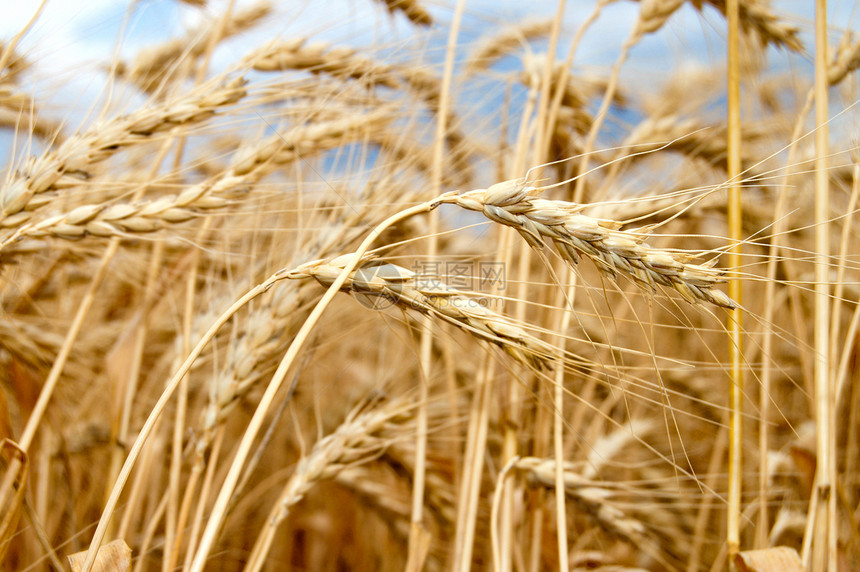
[425, 285]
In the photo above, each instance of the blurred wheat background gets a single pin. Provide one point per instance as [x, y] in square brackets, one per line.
[429, 285]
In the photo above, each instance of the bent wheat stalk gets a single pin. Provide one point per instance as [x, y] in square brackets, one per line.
[220, 508]
[510, 203]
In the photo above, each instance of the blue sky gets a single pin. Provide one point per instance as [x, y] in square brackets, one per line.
[72, 31]
[73, 39]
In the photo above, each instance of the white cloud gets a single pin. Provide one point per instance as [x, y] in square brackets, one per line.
[61, 25]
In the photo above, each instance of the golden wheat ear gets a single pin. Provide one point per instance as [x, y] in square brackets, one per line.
[519, 206]
[404, 289]
[72, 162]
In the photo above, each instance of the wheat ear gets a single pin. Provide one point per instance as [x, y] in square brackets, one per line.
[432, 298]
[846, 59]
[757, 17]
[597, 499]
[514, 204]
[73, 160]
[502, 42]
[413, 11]
[356, 440]
[157, 64]
[250, 165]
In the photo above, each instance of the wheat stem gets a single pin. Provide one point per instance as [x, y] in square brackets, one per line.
[824, 545]
[735, 324]
[158, 409]
[470, 485]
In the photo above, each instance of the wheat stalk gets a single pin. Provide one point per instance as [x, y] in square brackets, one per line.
[298, 169]
[262, 335]
[356, 439]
